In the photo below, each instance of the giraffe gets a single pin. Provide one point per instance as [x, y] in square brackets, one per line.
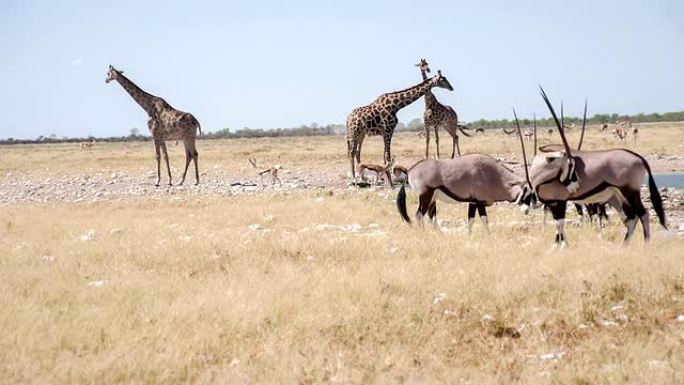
[380, 117]
[437, 115]
[165, 123]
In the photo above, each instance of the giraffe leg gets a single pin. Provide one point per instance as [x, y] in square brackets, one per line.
[188, 157]
[388, 146]
[453, 147]
[350, 153]
[458, 148]
[358, 151]
[195, 157]
[437, 140]
[427, 141]
[166, 159]
[158, 157]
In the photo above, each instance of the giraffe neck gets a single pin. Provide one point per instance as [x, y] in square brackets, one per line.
[145, 100]
[404, 98]
[429, 97]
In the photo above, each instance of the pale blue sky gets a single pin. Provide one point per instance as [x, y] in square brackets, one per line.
[265, 64]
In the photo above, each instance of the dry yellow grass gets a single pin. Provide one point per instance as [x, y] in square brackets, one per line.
[176, 291]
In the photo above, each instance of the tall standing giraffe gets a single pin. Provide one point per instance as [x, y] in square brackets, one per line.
[165, 123]
[380, 117]
[437, 115]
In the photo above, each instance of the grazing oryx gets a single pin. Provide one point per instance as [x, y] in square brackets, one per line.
[559, 175]
[477, 179]
[362, 168]
[438, 115]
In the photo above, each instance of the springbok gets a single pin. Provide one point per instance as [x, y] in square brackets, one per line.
[559, 175]
[88, 145]
[378, 169]
[273, 171]
[477, 179]
[528, 134]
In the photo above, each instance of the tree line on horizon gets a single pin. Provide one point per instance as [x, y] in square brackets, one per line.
[315, 129]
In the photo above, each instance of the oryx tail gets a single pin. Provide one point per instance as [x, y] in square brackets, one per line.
[401, 203]
[656, 199]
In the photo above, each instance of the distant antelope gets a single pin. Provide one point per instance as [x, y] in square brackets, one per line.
[88, 145]
[569, 126]
[362, 168]
[631, 127]
[635, 132]
[273, 171]
[619, 133]
[528, 134]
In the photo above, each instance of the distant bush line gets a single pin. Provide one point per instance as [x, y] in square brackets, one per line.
[314, 129]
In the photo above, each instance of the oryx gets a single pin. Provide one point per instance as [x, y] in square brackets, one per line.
[559, 174]
[476, 179]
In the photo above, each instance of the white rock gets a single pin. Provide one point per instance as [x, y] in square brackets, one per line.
[659, 364]
[48, 258]
[393, 250]
[255, 227]
[551, 356]
[268, 218]
[354, 227]
[88, 236]
[487, 318]
[608, 323]
[439, 297]
[97, 283]
[680, 318]
[115, 231]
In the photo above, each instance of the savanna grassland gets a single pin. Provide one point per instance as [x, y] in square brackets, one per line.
[106, 279]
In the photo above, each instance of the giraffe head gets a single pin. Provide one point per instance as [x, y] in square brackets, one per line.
[423, 65]
[441, 81]
[112, 74]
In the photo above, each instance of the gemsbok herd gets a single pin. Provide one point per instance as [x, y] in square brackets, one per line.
[557, 174]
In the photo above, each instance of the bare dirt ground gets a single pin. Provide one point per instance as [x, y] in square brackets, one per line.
[106, 278]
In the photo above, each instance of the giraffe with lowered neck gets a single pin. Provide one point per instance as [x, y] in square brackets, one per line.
[165, 123]
[380, 117]
[437, 115]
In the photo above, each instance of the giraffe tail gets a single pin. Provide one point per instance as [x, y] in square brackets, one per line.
[200, 128]
[462, 128]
